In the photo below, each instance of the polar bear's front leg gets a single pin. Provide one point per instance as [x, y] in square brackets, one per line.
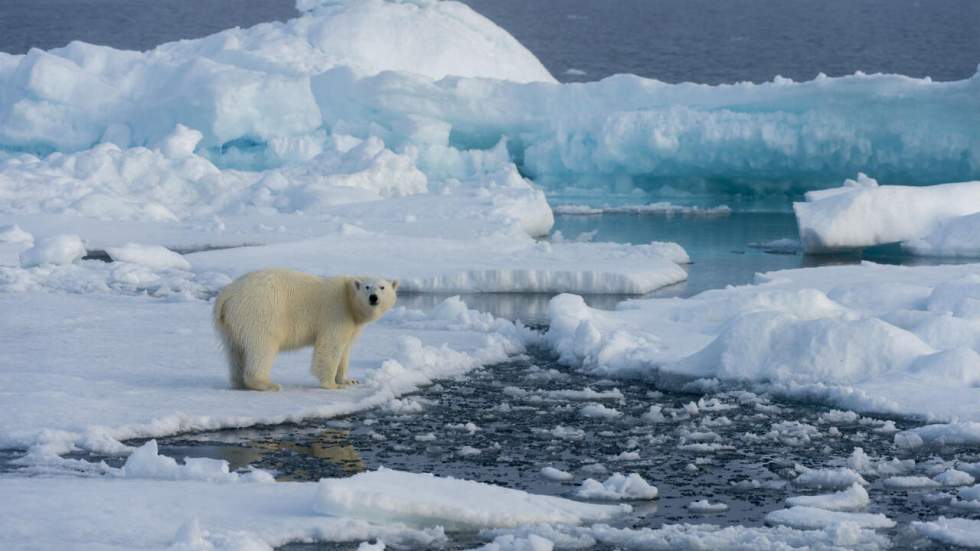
[327, 353]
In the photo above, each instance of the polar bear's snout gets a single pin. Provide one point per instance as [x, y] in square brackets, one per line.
[373, 299]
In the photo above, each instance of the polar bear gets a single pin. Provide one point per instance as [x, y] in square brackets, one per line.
[263, 312]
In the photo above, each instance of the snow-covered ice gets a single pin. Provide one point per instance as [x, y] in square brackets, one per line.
[868, 337]
[813, 518]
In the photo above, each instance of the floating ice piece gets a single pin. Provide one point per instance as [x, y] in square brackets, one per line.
[599, 410]
[940, 434]
[556, 474]
[954, 477]
[811, 518]
[151, 256]
[852, 499]
[423, 499]
[840, 477]
[862, 213]
[910, 482]
[952, 531]
[57, 250]
[510, 542]
[705, 506]
[617, 487]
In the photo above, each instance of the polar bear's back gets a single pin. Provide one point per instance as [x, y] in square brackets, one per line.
[286, 307]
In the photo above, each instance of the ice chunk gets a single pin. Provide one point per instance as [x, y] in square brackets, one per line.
[840, 477]
[556, 474]
[12, 233]
[423, 499]
[950, 531]
[954, 477]
[862, 213]
[617, 487]
[599, 410]
[705, 506]
[852, 499]
[151, 256]
[910, 482]
[58, 250]
[146, 462]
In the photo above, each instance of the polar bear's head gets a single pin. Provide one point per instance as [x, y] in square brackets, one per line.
[373, 297]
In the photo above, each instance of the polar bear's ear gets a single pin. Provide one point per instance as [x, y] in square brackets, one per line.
[394, 284]
[357, 284]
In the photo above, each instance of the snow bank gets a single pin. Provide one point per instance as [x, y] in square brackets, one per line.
[868, 337]
[862, 214]
[426, 500]
[135, 367]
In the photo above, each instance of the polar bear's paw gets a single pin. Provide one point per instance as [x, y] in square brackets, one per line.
[329, 385]
[349, 382]
[265, 386]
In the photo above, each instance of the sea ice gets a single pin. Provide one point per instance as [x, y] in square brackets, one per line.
[852, 499]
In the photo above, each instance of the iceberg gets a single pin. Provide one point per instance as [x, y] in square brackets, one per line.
[434, 78]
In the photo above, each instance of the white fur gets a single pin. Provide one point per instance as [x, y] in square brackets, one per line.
[263, 312]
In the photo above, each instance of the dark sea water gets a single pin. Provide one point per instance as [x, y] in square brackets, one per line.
[708, 41]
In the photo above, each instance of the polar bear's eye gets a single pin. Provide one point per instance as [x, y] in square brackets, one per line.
[382, 287]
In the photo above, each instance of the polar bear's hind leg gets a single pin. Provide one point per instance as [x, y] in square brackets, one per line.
[258, 365]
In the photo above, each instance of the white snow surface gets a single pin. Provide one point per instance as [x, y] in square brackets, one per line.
[953, 237]
[426, 500]
[863, 213]
[868, 337]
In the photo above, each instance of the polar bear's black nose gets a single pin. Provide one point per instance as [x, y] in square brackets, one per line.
[373, 299]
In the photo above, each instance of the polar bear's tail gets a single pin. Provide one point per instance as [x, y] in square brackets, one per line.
[233, 352]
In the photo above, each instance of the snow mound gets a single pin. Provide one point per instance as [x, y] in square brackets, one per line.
[862, 214]
[423, 499]
[58, 250]
[617, 487]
